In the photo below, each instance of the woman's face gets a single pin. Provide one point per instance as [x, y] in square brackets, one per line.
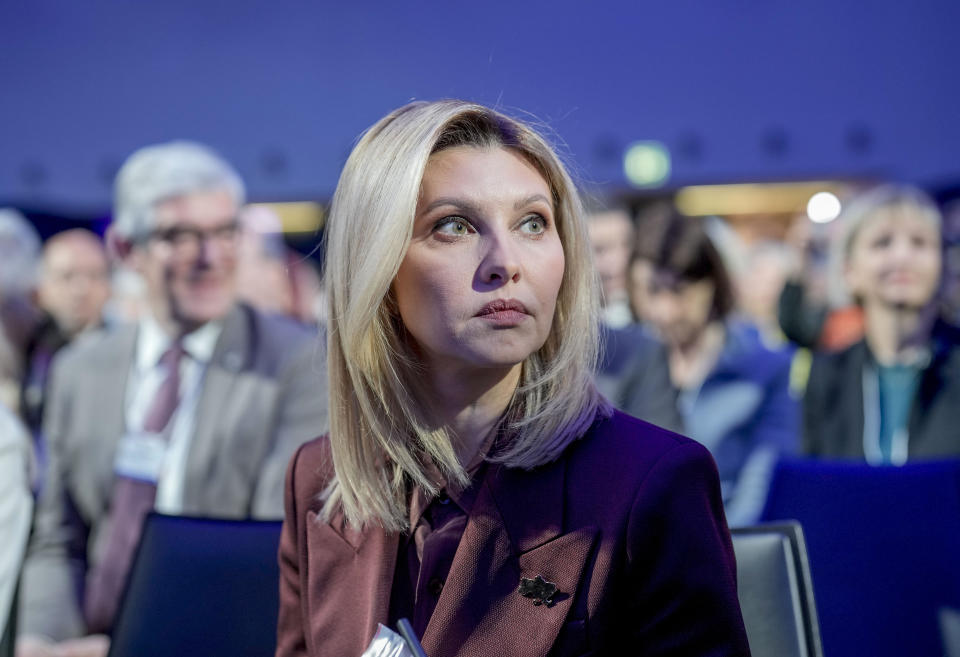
[895, 258]
[479, 282]
[678, 308]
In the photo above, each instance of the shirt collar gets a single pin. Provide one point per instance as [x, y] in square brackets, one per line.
[463, 498]
[152, 342]
[201, 342]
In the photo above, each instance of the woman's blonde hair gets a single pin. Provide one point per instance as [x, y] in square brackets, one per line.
[860, 211]
[381, 433]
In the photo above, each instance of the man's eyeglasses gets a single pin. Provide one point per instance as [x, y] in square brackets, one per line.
[188, 239]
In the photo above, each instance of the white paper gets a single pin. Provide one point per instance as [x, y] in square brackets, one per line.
[387, 643]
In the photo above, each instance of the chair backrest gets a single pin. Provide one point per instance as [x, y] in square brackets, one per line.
[950, 630]
[200, 587]
[884, 549]
[776, 591]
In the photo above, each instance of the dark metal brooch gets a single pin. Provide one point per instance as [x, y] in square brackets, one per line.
[538, 589]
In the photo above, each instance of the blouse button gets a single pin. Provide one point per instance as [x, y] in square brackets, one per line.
[443, 498]
[435, 586]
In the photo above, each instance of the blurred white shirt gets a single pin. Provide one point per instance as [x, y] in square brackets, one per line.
[145, 379]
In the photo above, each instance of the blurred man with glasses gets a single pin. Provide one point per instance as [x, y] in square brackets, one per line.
[196, 410]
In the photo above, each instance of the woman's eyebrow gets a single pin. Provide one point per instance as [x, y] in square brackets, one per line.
[459, 203]
[472, 208]
[530, 200]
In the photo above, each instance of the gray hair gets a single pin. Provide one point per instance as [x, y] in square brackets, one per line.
[163, 171]
[19, 253]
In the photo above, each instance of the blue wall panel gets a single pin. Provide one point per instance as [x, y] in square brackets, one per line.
[738, 89]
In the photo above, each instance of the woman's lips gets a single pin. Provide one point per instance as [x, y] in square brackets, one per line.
[503, 312]
[900, 278]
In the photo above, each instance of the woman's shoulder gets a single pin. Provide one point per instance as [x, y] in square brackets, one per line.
[625, 468]
[311, 468]
[623, 446]
[313, 452]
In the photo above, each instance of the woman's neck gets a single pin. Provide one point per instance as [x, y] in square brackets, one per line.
[471, 403]
[896, 334]
[690, 363]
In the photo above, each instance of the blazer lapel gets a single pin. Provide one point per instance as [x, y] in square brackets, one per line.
[215, 412]
[514, 531]
[107, 384]
[348, 586]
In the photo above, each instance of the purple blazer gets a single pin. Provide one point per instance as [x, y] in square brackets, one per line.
[628, 523]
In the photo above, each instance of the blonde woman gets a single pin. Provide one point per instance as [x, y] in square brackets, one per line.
[473, 480]
[893, 396]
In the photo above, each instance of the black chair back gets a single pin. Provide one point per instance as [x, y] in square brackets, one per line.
[201, 587]
[776, 591]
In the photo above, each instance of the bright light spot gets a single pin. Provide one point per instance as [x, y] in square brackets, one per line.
[823, 207]
[646, 164]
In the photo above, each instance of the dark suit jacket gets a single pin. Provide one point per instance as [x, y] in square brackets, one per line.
[628, 524]
[263, 396]
[634, 374]
[833, 403]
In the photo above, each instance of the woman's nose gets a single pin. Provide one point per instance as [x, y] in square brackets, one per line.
[501, 262]
[903, 251]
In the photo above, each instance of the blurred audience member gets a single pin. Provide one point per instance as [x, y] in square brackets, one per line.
[128, 296]
[611, 236]
[271, 276]
[733, 390]
[74, 280]
[766, 266]
[628, 349]
[19, 259]
[16, 504]
[950, 300]
[634, 375]
[262, 278]
[196, 409]
[895, 395]
[308, 294]
[73, 286]
[810, 312]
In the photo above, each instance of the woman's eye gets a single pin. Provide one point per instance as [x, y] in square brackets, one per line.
[534, 225]
[455, 226]
[920, 241]
[881, 242]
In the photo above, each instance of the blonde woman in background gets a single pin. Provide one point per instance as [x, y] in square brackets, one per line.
[473, 480]
[895, 395]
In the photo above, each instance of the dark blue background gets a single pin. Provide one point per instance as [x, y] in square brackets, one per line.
[738, 89]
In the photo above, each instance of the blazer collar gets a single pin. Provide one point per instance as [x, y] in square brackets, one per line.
[352, 572]
[109, 379]
[529, 503]
[152, 342]
[219, 404]
[514, 531]
[235, 346]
